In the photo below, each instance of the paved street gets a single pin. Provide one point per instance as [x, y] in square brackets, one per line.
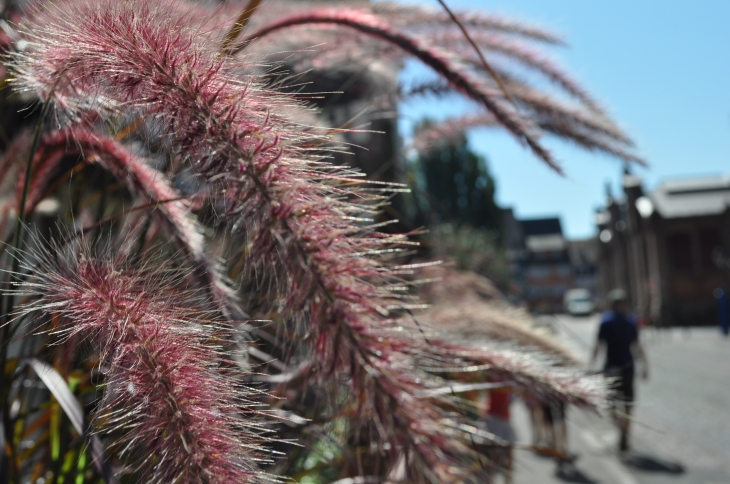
[682, 433]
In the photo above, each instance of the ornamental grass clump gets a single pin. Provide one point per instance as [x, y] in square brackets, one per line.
[174, 409]
[221, 300]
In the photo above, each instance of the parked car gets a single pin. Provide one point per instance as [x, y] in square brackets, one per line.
[578, 302]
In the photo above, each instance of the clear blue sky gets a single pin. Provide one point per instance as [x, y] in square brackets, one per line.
[661, 67]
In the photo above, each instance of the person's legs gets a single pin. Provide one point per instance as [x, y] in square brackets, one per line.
[560, 429]
[624, 428]
[618, 405]
[548, 425]
[626, 394]
[538, 423]
[508, 465]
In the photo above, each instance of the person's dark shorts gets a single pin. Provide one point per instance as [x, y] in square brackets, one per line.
[623, 384]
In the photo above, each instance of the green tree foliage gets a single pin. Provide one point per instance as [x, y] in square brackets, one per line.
[456, 187]
[454, 197]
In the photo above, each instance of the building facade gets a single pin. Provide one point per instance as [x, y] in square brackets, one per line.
[667, 248]
[584, 260]
[540, 261]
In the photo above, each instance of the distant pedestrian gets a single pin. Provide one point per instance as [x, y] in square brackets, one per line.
[620, 336]
[722, 310]
[549, 428]
[556, 425]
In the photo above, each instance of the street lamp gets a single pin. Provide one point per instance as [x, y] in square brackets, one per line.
[644, 207]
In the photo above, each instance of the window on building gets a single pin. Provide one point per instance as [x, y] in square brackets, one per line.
[538, 272]
[563, 270]
[680, 252]
[709, 243]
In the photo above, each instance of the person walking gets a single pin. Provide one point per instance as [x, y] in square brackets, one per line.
[620, 336]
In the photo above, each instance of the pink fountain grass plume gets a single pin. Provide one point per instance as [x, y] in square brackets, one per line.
[538, 372]
[556, 122]
[585, 124]
[457, 76]
[543, 108]
[179, 415]
[305, 220]
[297, 213]
[443, 133]
[551, 115]
[589, 131]
[418, 16]
[148, 184]
[546, 106]
[522, 54]
[588, 140]
[574, 124]
[529, 372]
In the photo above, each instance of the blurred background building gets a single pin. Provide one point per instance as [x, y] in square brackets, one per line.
[667, 247]
[545, 263]
[584, 260]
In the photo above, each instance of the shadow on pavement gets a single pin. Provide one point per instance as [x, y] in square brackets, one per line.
[645, 462]
[573, 474]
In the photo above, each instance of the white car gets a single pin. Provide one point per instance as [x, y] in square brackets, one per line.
[578, 302]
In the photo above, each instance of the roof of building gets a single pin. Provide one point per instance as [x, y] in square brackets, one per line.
[692, 197]
[512, 234]
[545, 243]
[631, 181]
[541, 226]
[584, 251]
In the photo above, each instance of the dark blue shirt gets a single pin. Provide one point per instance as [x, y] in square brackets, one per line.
[619, 333]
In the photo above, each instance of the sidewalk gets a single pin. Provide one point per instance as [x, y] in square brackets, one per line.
[591, 438]
[656, 457]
